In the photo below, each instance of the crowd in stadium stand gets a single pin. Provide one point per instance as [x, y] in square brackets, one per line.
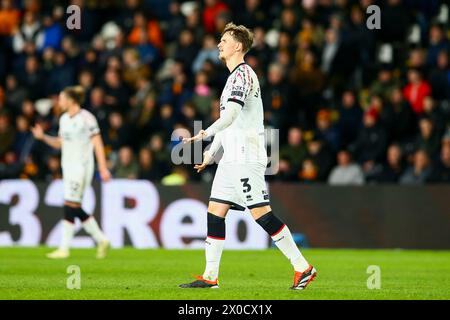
[353, 105]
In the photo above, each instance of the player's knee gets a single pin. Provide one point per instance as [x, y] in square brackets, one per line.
[260, 211]
[218, 209]
[72, 212]
[270, 223]
[83, 216]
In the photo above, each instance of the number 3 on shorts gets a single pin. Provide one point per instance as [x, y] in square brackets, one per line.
[246, 185]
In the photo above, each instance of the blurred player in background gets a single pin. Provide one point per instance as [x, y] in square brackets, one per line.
[239, 181]
[79, 136]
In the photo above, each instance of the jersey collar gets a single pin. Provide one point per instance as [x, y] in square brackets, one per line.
[74, 115]
[240, 64]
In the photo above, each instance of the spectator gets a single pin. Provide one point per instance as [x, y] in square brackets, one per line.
[176, 21]
[260, 48]
[144, 87]
[9, 18]
[133, 68]
[148, 53]
[399, 118]
[15, 94]
[161, 155]
[350, 118]
[127, 167]
[10, 167]
[167, 121]
[385, 83]
[146, 118]
[293, 154]
[29, 34]
[32, 78]
[209, 52]
[52, 33]
[175, 90]
[189, 115]
[125, 17]
[441, 170]
[440, 77]
[427, 140]
[53, 170]
[432, 111]
[346, 172]
[393, 168]
[327, 131]
[23, 136]
[62, 74]
[212, 9]
[187, 50]
[438, 43]
[96, 104]
[30, 169]
[253, 15]
[147, 168]
[150, 26]
[420, 170]
[116, 95]
[118, 133]
[307, 82]
[369, 148]
[6, 134]
[275, 95]
[308, 172]
[416, 90]
[203, 95]
[322, 158]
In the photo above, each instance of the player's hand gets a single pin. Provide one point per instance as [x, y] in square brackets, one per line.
[206, 159]
[38, 132]
[198, 137]
[105, 175]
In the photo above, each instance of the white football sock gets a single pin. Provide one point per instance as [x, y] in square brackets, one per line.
[67, 235]
[91, 227]
[286, 244]
[213, 252]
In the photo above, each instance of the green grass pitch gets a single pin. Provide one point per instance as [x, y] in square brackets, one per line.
[129, 273]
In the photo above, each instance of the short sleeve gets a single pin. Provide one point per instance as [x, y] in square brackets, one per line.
[241, 85]
[91, 124]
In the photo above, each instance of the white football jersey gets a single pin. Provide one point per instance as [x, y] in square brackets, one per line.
[76, 133]
[243, 141]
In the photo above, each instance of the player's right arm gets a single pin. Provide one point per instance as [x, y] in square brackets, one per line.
[38, 133]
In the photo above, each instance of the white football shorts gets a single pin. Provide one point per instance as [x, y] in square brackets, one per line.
[240, 185]
[76, 179]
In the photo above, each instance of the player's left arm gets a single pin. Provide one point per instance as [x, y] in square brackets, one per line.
[99, 150]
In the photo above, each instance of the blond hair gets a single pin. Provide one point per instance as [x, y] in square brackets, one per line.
[76, 93]
[241, 34]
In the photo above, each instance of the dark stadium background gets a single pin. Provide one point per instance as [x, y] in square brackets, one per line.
[354, 106]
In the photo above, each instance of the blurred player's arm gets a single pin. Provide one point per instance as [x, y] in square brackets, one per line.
[38, 133]
[99, 150]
